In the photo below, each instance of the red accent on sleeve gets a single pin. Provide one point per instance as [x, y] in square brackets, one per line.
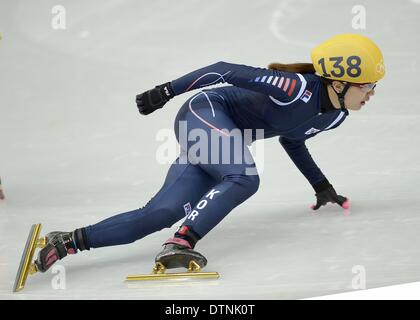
[292, 87]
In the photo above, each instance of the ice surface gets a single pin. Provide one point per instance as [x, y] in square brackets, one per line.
[74, 149]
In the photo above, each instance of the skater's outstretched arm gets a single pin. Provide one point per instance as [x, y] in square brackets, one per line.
[299, 153]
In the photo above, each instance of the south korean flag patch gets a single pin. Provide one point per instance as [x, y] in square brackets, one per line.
[187, 208]
[306, 96]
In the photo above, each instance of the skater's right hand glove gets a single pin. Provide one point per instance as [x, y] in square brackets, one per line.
[154, 99]
[325, 193]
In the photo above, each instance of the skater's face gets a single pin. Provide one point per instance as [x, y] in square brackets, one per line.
[357, 95]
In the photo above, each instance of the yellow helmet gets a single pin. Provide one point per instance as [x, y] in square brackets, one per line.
[349, 57]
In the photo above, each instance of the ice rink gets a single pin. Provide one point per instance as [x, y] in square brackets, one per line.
[74, 149]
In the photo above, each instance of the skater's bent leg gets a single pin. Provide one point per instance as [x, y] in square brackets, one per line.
[213, 207]
[184, 186]
[208, 212]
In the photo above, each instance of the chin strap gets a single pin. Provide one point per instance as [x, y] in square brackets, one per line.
[341, 95]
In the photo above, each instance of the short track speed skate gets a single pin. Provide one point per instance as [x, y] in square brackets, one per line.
[177, 254]
[54, 246]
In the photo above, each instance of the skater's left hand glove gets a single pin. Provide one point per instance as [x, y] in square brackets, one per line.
[154, 99]
[325, 193]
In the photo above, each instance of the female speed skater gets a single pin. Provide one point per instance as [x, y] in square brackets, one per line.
[294, 102]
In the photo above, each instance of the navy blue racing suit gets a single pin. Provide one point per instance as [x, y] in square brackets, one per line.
[203, 186]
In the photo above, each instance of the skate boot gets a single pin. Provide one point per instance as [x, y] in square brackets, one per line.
[58, 245]
[178, 253]
[54, 246]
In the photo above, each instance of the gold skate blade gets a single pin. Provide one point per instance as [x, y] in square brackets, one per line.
[158, 273]
[26, 266]
[168, 276]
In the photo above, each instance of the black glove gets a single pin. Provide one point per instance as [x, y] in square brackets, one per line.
[325, 193]
[154, 99]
